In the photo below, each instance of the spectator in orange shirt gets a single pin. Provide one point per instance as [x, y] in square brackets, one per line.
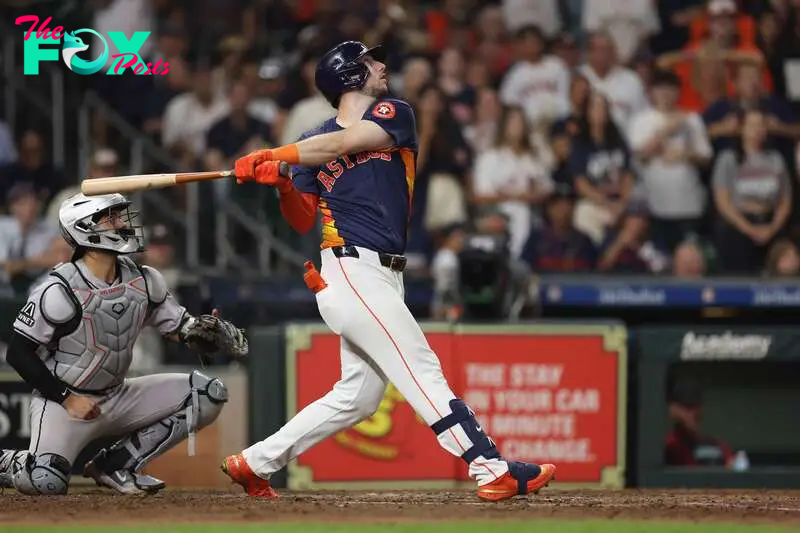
[449, 25]
[745, 25]
[707, 68]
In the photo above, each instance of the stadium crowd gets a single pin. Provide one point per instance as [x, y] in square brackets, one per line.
[619, 136]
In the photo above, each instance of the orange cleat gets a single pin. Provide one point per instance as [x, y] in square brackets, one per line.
[236, 468]
[521, 478]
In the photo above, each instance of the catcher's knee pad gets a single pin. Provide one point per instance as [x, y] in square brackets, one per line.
[207, 398]
[462, 415]
[46, 474]
[202, 406]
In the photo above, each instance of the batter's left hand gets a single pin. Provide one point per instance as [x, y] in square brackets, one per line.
[245, 167]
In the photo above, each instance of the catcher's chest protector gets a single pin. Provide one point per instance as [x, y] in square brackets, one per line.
[97, 353]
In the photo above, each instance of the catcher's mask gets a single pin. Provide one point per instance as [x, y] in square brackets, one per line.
[103, 223]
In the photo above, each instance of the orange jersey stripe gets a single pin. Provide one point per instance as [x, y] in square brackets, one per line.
[330, 234]
[407, 154]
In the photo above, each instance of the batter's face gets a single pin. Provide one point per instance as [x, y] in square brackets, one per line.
[377, 83]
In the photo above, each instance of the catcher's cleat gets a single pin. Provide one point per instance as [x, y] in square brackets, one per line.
[521, 479]
[123, 481]
[236, 468]
[7, 458]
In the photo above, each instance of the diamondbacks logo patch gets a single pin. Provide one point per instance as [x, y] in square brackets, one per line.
[384, 110]
[26, 315]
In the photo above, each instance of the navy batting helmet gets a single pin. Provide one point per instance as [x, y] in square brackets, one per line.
[341, 69]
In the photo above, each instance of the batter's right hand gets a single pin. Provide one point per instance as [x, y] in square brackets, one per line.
[245, 167]
[273, 173]
[81, 407]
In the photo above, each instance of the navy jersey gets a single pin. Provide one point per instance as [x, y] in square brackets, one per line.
[547, 252]
[365, 198]
[603, 166]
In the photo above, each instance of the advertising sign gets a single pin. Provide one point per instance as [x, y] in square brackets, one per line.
[543, 393]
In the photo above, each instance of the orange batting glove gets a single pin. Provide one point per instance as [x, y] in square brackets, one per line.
[268, 173]
[245, 167]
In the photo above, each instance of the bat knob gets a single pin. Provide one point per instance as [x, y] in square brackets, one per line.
[285, 170]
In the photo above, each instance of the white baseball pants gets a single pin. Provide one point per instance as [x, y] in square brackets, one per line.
[381, 342]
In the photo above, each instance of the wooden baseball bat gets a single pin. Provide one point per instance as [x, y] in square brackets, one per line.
[123, 184]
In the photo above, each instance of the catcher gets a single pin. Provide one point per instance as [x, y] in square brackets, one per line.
[72, 342]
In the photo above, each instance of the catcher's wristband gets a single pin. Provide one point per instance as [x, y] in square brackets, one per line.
[185, 327]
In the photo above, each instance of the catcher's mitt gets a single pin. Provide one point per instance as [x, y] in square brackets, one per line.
[208, 334]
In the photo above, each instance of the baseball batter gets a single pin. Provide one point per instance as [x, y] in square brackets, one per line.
[358, 169]
[72, 342]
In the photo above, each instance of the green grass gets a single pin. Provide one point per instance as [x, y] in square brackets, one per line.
[606, 526]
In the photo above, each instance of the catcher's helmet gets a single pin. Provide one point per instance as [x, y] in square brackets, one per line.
[79, 220]
[341, 69]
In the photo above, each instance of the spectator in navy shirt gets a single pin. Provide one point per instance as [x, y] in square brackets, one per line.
[237, 133]
[723, 118]
[628, 247]
[559, 247]
[600, 167]
[32, 166]
[569, 127]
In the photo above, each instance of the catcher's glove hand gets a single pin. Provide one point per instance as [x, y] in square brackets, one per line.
[208, 334]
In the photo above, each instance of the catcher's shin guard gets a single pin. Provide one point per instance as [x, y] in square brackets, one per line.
[43, 474]
[119, 467]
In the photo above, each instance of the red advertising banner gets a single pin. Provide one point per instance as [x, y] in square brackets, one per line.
[543, 393]
[392, 444]
[545, 398]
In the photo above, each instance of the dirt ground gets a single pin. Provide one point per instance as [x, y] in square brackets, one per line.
[96, 506]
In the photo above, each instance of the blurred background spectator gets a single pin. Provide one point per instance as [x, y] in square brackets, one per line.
[628, 247]
[753, 196]
[104, 164]
[619, 84]
[26, 238]
[537, 82]
[307, 107]
[601, 169]
[32, 167]
[558, 246]
[512, 178]
[686, 445]
[189, 116]
[672, 148]
[630, 23]
[783, 259]
[689, 261]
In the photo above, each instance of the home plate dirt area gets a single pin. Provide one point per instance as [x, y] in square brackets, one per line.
[96, 506]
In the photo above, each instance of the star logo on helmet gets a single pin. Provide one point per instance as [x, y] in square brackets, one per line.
[384, 110]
